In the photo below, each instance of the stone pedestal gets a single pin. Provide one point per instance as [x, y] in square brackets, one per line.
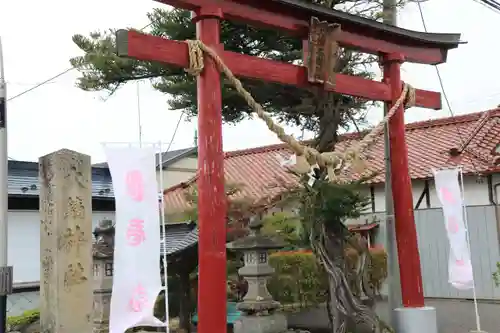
[272, 323]
[416, 320]
[258, 306]
[102, 253]
[65, 242]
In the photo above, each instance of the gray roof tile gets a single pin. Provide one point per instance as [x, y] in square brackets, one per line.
[167, 158]
[23, 180]
[179, 236]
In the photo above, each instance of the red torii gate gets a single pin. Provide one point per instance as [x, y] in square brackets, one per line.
[394, 45]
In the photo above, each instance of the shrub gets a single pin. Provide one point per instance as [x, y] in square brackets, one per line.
[496, 275]
[378, 271]
[19, 323]
[299, 278]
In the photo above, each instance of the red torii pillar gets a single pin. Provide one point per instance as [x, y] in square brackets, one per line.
[293, 17]
[212, 265]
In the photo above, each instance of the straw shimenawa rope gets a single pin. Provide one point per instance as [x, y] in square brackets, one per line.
[335, 162]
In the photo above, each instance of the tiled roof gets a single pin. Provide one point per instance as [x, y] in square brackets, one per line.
[167, 157]
[170, 157]
[179, 236]
[429, 144]
[23, 180]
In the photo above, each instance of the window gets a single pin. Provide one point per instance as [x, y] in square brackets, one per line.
[262, 258]
[108, 269]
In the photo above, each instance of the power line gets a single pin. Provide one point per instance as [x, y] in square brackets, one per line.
[175, 132]
[440, 79]
[490, 4]
[448, 104]
[40, 84]
[56, 76]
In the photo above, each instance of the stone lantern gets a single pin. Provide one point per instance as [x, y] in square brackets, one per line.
[102, 252]
[258, 306]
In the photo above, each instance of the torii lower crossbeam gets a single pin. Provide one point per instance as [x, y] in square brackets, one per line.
[146, 47]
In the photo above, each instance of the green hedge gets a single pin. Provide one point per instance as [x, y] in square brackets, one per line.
[496, 275]
[18, 323]
[299, 278]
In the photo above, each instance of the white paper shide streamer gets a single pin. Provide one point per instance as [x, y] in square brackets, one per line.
[450, 196]
[136, 280]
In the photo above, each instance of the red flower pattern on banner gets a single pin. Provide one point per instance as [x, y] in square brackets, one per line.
[138, 299]
[135, 185]
[453, 226]
[447, 196]
[135, 232]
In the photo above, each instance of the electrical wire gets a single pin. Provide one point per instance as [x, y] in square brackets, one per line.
[440, 79]
[441, 83]
[490, 4]
[40, 84]
[55, 76]
[175, 132]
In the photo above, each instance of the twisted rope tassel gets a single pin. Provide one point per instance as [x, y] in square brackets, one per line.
[334, 162]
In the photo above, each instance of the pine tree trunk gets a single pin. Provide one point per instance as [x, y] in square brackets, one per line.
[347, 312]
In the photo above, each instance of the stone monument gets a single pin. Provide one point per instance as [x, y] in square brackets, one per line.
[102, 252]
[65, 242]
[258, 306]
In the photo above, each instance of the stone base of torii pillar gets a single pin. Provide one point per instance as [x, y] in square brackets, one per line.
[416, 320]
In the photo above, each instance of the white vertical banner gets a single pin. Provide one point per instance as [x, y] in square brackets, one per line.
[136, 280]
[450, 195]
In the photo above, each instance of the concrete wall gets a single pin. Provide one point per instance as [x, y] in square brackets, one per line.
[476, 192]
[24, 243]
[178, 172]
[434, 250]
[24, 255]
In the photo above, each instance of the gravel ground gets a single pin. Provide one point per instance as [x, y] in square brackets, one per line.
[454, 316]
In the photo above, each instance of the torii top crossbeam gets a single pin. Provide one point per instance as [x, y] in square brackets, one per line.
[393, 44]
[293, 16]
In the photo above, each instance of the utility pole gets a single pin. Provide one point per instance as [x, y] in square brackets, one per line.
[139, 122]
[394, 283]
[5, 271]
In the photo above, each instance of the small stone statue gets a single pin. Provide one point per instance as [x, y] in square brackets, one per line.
[102, 251]
[104, 245]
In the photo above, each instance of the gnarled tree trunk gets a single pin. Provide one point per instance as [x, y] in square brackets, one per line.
[348, 314]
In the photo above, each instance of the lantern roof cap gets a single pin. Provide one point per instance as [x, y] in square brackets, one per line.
[256, 240]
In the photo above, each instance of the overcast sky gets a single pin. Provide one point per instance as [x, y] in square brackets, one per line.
[37, 44]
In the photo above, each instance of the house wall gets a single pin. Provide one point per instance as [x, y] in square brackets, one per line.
[24, 242]
[24, 256]
[434, 250]
[178, 172]
[476, 193]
